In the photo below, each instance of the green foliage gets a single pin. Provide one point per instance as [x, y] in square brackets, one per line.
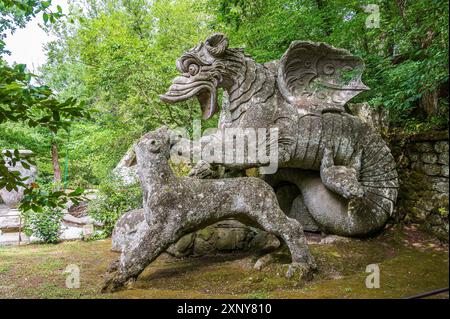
[181, 168]
[10, 179]
[119, 56]
[21, 101]
[443, 212]
[33, 105]
[114, 199]
[45, 224]
[414, 125]
[406, 57]
[42, 210]
[37, 197]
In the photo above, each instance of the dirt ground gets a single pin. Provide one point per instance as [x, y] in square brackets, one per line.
[410, 262]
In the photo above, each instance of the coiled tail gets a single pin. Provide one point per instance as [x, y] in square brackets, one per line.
[349, 138]
[379, 179]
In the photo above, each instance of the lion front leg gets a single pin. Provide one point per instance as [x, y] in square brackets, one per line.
[135, 257]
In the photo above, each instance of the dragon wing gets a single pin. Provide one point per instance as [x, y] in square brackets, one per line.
[317, 77]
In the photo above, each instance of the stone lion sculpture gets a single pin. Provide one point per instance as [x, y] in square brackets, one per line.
[175, 206]
[303, 96]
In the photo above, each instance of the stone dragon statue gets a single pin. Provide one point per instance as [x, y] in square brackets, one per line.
[354, 187]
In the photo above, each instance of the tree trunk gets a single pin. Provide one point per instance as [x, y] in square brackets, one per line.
[55, 161]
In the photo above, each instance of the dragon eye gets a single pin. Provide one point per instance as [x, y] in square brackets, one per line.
[193, 69]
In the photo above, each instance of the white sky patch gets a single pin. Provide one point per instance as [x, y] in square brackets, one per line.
[27, 45]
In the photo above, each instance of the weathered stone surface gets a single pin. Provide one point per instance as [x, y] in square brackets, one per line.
[13, 197]
[358, 164]
[441, 146]
[72, 228]
[80, 221]
[203, 170]
[441, 200]
[126, 169]
[174, 207]
[328, 209]
[13, 238]
[444, 170]
[10, 223]
[431, 169]
[263, 241]
[232, 235]
[126, 228]
[414, 157]
[183, 247]
[403, 162]
[330, 239]
[440, 184]
[300, 212]
[9, 219]
[202, 246]
[71, 232]
[291, 202]
[88, 230]
[286, 195]
[437, 223]
[424, 185]
[418, 215]
[443, 158]
[424, 147]
[227, 235]
[429, 158]
[377, 118]
[80, 210]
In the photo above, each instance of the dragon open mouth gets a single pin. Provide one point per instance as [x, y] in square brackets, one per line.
[204, 90]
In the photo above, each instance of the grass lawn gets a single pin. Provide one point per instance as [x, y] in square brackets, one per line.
[410, 262]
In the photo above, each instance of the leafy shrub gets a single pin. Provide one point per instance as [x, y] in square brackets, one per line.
[113, 200]
[45, 224]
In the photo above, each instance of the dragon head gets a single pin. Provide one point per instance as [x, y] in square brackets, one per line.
[205, 68]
